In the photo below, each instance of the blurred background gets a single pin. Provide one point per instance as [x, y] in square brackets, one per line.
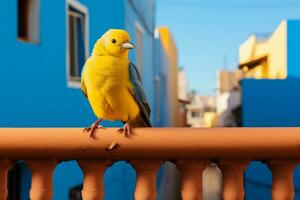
[204, 63]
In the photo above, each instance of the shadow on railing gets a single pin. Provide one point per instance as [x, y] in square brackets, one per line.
[191, 149]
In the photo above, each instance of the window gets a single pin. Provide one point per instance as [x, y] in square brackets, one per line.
[139, 47]
[195, 114]
[78, 44]
[28, 20]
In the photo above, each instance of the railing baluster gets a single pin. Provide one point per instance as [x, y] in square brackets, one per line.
[191, 178]
[93, 181]
[4, 166]
[146, 169]
[233, 178]
[282, 178]
[41, 183]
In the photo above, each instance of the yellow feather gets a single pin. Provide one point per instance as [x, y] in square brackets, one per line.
[105, 79]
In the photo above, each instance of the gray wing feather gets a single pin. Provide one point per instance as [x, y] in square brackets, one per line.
[140, 95]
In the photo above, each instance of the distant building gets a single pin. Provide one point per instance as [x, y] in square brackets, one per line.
[269, 93]
[209, 119]
[43, 48]
[199, 105]
[228, 97]
[166, 78]
[267, 57]
[194, 115]
[227, 80]
[227, 103]
[183, 97]
[275, 62]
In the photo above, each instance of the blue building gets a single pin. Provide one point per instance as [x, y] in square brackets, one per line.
[44, 45]
[270, 96]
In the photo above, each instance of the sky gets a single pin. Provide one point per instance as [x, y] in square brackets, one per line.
[208, 32]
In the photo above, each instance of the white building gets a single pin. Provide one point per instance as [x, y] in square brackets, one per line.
[228, 97]
[198, 107]
[183, 90]
[183, 97]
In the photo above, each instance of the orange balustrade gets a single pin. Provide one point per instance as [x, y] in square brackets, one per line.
[190, 148]
[4, 165]
[41, 184]
[93, 183]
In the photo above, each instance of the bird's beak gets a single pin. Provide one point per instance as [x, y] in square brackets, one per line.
[127, 45]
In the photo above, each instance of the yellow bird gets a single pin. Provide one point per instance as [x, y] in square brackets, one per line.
[112, 84]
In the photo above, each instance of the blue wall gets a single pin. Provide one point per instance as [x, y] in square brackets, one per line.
[133, 14]
[270, 103]
[258, 182]
[293, 47]
[34, 91]
[273, 103]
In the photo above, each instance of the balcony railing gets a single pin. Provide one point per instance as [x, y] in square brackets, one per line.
[192, 149]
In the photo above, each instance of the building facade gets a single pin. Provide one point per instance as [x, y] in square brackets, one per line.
[166, 78]
[228, 98]
[269, 94]
[43, 48]
[263, 99]
[201, 112]
[258, 53]
[183, 97]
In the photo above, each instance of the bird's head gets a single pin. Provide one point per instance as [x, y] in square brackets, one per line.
[114, 42]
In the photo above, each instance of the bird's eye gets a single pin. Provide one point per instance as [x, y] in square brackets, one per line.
[113, 40]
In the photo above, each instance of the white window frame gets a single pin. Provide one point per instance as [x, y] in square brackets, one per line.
[83, 9]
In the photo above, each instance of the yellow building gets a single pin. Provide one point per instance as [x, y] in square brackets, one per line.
[265, 58]
[171, 73]
[210, 119]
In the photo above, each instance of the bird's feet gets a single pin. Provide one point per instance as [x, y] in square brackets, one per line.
[91, 130]
[126, 129]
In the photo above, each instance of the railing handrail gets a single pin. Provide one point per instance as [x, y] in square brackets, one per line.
[168, 143]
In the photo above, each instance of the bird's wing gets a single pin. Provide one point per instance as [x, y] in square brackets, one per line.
[82, 84]
[139, 95]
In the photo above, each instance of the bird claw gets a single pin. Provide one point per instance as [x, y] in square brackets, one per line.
[86, 129]
[89, 128]
[126, 129]
[92, 129]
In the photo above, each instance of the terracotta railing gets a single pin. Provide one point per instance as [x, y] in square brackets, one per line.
[190, 148]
